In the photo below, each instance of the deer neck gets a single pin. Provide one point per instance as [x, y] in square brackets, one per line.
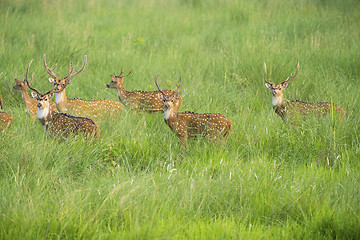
[170, 117]
[61, 101]
[45, 115]
[122, 93]
[278, 100]
[27, 99]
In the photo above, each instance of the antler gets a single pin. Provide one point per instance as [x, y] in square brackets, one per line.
[27, 74]
[293, 77]
[121, 76]
[34, 89]
[128, 73]
[27, 78]
[265, 74]
[49, 71]
[82, 69]
[71, 69]
[29, 84]
[158, 85]
[177, 89]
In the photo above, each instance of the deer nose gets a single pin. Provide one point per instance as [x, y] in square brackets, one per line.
[107, 85]
[39, 105]
[167, 105]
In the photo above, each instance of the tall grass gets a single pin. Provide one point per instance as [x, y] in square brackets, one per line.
[272, 181]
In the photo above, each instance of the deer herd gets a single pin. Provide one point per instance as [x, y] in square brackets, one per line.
[75, 116]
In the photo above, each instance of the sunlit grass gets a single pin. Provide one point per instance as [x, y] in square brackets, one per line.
[272, 180]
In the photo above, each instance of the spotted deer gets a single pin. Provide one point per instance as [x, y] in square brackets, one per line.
[30, 103]
[189, 125]
[62, 124]
[290, 108]
[6, 119]
[95, 109]
[149, 101]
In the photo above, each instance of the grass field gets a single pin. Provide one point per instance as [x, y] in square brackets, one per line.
[272, 181]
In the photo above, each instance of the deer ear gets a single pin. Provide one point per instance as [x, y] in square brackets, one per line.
[284, 84]
[52, 81]
[51, 95]
[34, 95]
[268, 85]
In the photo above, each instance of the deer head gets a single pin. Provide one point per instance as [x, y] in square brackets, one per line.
[60, 84]
[117, 80]
[168, 99]
[21, 85]
[278, 88]
[43, 100]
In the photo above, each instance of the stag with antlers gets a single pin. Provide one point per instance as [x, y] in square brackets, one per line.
[61, 124]
[189, 125]
[30, 103]
[95, 109]
[290, 108]
[148, 101]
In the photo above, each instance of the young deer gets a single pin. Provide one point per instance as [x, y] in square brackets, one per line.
[61, 124]
[285, 108]
[6, 119]
[30, 103]
[96, 109]
[188, 125]
[148, 101]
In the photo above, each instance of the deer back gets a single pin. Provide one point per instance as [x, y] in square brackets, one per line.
[317, 108]
[64, 125]
[6, 119]
[211, 125]
[94, 109]
[151, 101]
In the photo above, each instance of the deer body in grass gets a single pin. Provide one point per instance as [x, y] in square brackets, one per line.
[189, 125]
[95, 109]
[30, 103]
[61, 124]
[149, 101]
[6, 119]
[291, 108]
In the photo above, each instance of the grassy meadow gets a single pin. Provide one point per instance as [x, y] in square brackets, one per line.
[272, 180]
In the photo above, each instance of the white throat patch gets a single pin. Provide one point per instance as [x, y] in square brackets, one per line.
[58, 97]
[276, 101]
[43, 112]
[167, 114]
